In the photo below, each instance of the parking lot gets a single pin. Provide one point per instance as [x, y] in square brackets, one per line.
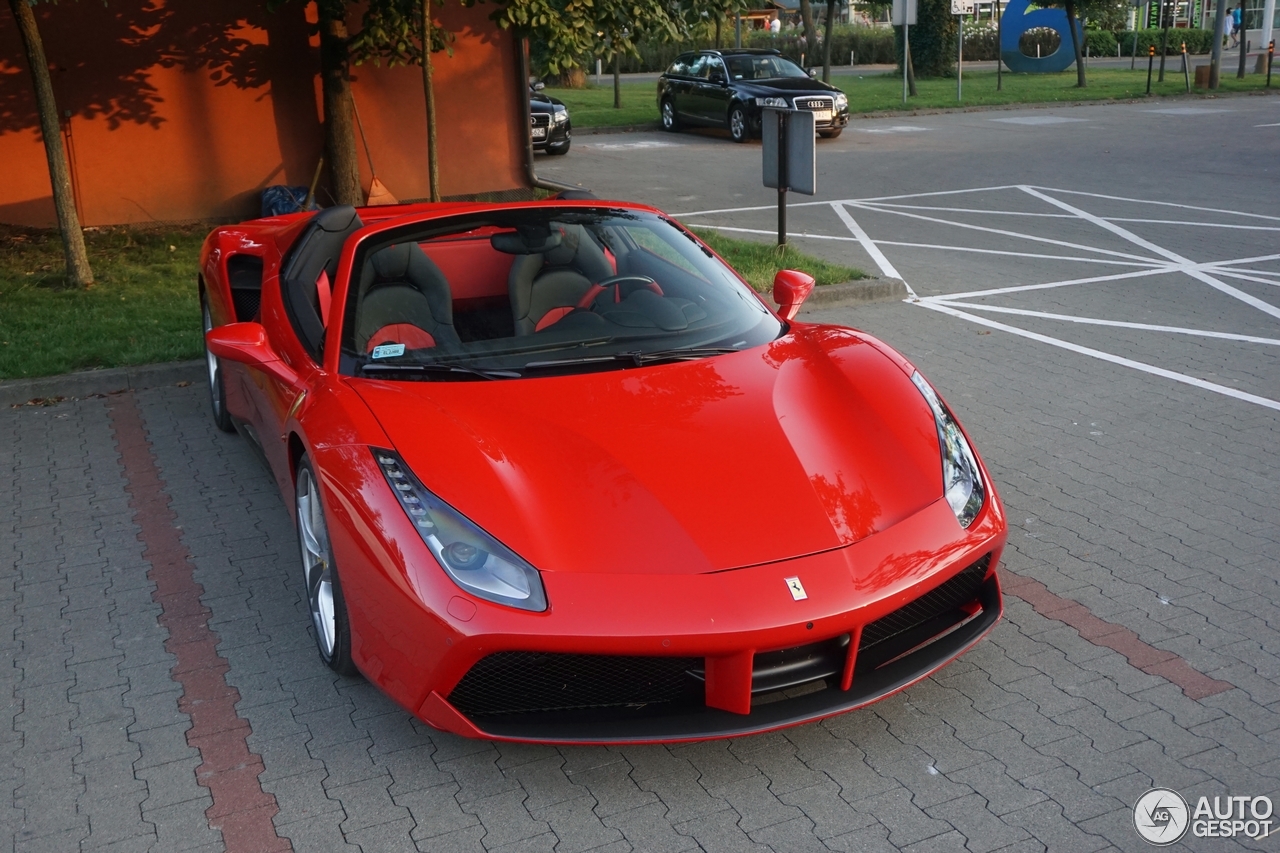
[1096, 296]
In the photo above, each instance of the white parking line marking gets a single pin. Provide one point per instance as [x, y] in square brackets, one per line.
[632, 146]
[897, 128]
[1022, 288]
[1191, 268]
[1106, 356]
[871, 248]
[1035, 120]
[1188, 111]
[1090, 321]
[1144, 201]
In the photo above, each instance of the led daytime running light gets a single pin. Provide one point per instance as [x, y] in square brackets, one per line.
[474, 560]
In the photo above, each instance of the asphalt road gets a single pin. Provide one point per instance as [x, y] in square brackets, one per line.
[165, 693]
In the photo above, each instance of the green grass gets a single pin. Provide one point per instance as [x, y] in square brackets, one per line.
[873, 93]
[758, 262]
[142, 308]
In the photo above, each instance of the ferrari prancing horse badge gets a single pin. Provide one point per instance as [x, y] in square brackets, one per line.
[797, 589]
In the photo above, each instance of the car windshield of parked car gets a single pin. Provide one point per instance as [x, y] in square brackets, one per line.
[762, 68]
[537, 290]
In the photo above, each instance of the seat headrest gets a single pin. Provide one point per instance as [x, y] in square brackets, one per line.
[563, 255]
[392, 263]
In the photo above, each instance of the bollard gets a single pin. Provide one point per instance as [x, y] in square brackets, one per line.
[1151, 64]
[1271, 54]
[1186, 69]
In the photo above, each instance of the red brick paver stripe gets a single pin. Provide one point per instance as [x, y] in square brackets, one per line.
[241, 809]
[1149, 659]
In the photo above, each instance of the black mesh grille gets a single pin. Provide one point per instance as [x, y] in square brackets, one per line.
[523, 682]
[540, 119]
[246, 304]
[954, 593]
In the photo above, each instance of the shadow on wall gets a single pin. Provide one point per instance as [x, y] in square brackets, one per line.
[113, 62]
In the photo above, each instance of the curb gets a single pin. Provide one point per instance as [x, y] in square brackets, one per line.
[97, 383]
[860, 292]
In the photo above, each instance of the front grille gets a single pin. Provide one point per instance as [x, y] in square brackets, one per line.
[935, 606]
[817, 103]
[540, 119]
[525, 682]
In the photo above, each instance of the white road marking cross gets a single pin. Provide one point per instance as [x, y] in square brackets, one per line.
[797, 589]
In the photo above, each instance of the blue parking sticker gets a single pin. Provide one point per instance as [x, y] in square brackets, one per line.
[388, 350]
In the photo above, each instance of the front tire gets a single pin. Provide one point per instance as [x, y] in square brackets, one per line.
[324, 593]
[670, 121]
[562, 148]
[831, 134]
[213, 372]
[739, 127]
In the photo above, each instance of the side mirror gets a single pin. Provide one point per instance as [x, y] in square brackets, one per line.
[538, 87]
[246, 343]
[790, 289]
[813, 72]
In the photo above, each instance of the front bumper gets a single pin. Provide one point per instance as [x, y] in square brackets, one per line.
[557, 134]
[760, 656]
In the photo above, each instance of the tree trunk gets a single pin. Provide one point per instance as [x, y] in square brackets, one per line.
[999, 38]
[810, 36]
[1075, 44]
[433, 161]
[717, 33]
[826, 44]
[339, 129]
[77, 259]
[617, 80]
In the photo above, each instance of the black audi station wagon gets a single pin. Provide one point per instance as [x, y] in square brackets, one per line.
[729, 88]
[549, 121]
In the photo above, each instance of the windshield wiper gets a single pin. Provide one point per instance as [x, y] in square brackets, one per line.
[635, 357]
[438, 369]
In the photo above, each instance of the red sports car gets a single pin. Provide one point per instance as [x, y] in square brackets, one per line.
[560, 475]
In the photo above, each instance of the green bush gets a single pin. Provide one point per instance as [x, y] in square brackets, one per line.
[1100, 42]
[1198, 41]
[982, 44]
[933, 40]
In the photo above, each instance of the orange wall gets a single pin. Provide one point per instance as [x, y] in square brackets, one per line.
[176, 117]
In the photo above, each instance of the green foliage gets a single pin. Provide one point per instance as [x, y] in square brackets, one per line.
[933, 40]
[1198, 41]
[867, 45]
[391, 31]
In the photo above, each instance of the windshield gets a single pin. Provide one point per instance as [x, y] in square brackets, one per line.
[513, 293]
[762, 67]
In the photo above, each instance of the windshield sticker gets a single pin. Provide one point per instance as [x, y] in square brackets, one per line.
[388, 350]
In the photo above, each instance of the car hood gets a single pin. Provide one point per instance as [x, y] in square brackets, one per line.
[810, 443]
[788, 85]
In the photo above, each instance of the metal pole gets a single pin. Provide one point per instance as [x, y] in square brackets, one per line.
[737, 30]
[906, 54]
[999, 59]
[1268, 18]
[960, 62]
[1186, 70]
[1133, 60]
[782, 178]
[1151, 59]
[1164, 37]
[1244, 43]
[1271, 54]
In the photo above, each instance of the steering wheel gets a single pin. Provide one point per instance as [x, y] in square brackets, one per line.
[617, 282]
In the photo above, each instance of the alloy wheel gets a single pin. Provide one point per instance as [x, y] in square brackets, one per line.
[317, 563]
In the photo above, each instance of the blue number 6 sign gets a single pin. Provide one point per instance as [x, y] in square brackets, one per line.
[1017, 20]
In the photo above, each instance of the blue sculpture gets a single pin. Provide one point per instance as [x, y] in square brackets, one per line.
[1017, 20]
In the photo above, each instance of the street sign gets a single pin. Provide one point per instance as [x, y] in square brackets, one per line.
[795, 144]
[788, 156]
[962, 7]
[904, 12]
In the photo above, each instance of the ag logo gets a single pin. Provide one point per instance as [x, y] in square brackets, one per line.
[1161, 816]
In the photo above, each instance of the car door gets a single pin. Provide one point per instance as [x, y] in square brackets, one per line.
[717, 94]
[698, 106]
[676, 84]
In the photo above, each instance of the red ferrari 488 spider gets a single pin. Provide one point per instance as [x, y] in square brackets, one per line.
[560, 475]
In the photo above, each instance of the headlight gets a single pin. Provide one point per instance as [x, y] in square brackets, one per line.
[961, 480]
[560, 116]
[772, 102]
[473, 559]
[842, 101]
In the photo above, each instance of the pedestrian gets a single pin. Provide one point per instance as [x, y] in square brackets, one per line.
[1235, 26]
[775, 26]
